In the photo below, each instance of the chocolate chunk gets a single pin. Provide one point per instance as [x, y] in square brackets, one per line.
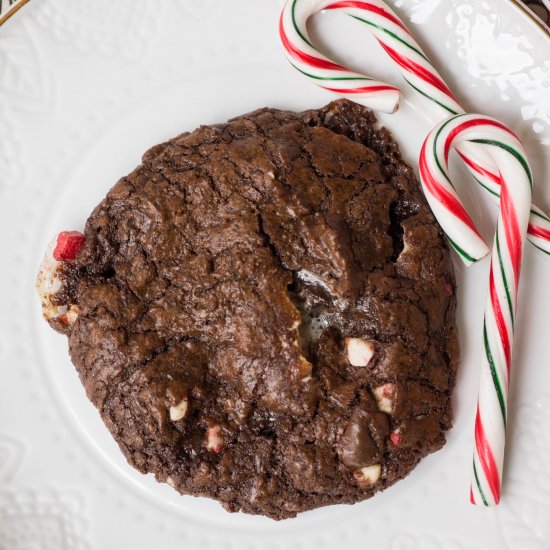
[356, 447]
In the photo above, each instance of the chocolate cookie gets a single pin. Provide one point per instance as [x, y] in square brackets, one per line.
[263, 312]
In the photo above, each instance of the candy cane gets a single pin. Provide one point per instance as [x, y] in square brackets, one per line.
[419, 73]
[515, 177]
[327, 74]
[438, 188]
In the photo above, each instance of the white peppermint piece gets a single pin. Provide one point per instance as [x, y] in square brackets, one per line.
[214, 440]
[384, 396]
[48, 283]
[360, 351]
[177, 412]
[369, 474]
[72, 314]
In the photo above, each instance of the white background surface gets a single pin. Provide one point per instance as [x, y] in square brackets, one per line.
[85, 89]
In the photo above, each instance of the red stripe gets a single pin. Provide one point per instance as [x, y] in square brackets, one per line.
[367, 7]
[305, 57]
[362, 90]
[533, 230]
[479, 169]
[418, 70]
[537, 231]
[511, 230]
[472, 500]
[487, 459]
[449, 201]
[469, 124]
[501, 323]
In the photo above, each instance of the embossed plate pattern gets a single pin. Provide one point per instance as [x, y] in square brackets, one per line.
[85, 88]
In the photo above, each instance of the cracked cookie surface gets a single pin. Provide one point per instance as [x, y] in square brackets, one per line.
[266, 312]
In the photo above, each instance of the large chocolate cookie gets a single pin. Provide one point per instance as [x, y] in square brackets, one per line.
[263, 312]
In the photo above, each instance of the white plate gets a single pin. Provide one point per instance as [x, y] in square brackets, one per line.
[85, 88]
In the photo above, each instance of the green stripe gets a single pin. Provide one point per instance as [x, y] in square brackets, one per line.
[543, 216]
[463, 253]
[330, 77]
[512, 151]
[479, 485]
[505, 280]
[296, 26]
[430, 97]
[494, 374]
[393, 35]
[541, 249]
[495, 194]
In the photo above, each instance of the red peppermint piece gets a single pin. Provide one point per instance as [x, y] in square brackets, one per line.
[214, 440]
[388, 390]
[395, 438]
[68, 244]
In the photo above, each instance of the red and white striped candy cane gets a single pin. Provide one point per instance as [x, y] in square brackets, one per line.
[390, 32]
[327, 74]
[508, 154]
[418, 72]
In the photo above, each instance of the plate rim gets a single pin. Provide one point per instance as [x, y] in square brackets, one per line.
[519, 5]
[531, 16]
